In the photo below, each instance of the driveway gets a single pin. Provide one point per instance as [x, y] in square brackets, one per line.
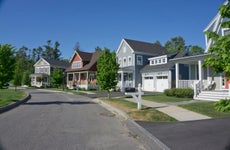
[212, 134]
[63, 121]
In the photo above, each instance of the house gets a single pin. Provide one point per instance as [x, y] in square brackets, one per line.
[82, 71]
[159, 74]
[207, 84]
[43, 68]
[132, 56]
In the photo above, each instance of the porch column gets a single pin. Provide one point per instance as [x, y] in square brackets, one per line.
[122, 81]
[200, 73]
[177, 75]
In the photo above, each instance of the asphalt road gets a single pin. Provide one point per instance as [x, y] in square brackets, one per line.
[213, 134]
[58, 121]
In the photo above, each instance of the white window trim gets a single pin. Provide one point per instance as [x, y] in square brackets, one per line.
[76, 64]
[129, 61]
[124, 61]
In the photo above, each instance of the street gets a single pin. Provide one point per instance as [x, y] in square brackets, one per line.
[52, 120]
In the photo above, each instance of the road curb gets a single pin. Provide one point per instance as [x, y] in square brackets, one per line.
[149, 141]
[13, 105]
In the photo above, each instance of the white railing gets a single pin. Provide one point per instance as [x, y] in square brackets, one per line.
[186, 83]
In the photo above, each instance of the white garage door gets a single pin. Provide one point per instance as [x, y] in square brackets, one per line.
[148, 84]
[162, 83]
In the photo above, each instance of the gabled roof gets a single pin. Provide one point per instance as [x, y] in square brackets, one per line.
[145, 47]
[88, 66]
[54, 63]
[168, 66]
[85, 56]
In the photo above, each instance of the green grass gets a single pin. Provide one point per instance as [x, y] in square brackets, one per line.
[8, 96]
[161, 98]
[145, 114]
[205, 108]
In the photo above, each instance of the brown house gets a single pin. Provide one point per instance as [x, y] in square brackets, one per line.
[82, 72]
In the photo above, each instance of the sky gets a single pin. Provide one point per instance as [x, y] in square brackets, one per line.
[103, 23]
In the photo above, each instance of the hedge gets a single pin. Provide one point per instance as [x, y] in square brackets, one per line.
[179, 92]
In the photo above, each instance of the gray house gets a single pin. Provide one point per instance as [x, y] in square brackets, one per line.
[132, 56]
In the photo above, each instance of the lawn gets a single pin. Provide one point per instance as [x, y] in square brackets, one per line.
[205, 108]
[8, 96]
[146, 114]
[161, 98]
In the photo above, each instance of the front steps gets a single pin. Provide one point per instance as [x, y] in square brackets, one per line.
[213, 95]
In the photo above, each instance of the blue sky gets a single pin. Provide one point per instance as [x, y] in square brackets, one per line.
[103, 23]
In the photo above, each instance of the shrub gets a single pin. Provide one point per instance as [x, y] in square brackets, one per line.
[223, 105]
[177, 92]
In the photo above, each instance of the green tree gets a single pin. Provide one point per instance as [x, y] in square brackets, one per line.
[57, 77]
[176, 44]
[7, 63]
[52, 53]
[196, 50]
[17, 78]
[26, 78]
[220, 49]
[107, 69]
[157, 42]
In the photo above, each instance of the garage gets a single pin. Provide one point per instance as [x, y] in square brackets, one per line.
[148, 83]
[162, 83]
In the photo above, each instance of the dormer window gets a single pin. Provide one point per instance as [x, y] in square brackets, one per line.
[158, 60]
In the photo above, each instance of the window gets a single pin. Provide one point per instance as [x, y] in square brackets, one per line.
[76, 64]
[163, 60]
[130, 61]
[139, 60]
[159, 61]
[70, 77]
[124, 61]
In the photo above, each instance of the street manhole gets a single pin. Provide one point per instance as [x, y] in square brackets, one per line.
[107, 114]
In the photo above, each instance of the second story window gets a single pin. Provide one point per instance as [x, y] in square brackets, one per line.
[119, 62]
[76, 64]
[130, 61]
[139, 60]
[124, 61]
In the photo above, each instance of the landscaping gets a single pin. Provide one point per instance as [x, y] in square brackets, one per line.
[8, 96]
[145, 114]
[206, 108]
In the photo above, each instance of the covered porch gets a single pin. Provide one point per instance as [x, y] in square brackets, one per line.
[199, 78]
[40, 80]
[125, 80]
[84, 79]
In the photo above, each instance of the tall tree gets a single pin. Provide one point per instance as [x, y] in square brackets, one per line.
[157, 42]
[220, 50]
[107, 69]
[52, 53]
[176, 44]
[7, 63]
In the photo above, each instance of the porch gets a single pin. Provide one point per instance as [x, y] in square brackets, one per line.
[84, 80]
[40, 80]
[125, 80]
[200, 79]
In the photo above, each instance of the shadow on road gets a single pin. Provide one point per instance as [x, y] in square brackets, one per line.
[58, 103]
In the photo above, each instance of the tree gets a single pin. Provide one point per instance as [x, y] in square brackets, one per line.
[107, 70]
[176, 44]
[7, 63]
[157, 42]
[196, 50]
[220, 49]
[52, 53]
[57, 77]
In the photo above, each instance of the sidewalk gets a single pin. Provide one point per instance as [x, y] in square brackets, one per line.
[172, 110]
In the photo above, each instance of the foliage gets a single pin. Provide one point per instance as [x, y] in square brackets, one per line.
[26, 78]
[57, 77]
[7, 63]
[179, 92]
[194, 50]
[52, 53]
[162, 98]
[107, 69]
[220, 49]
[176, 44]
[223, 105]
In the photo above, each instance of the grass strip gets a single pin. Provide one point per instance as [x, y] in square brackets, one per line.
[8, 96]
[161, 98]
[146, 114]
[206, 108]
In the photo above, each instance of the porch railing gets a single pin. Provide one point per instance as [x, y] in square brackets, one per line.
[197, 88]
[186, 83]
